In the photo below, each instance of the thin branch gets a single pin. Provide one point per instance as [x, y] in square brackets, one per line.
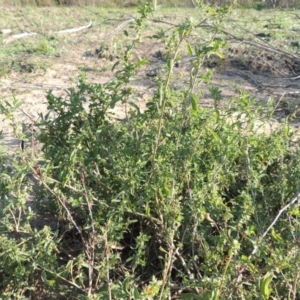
[18, 36]
[76, 29]
[91, 246]
[243, 267]
[252, 43]
[266, 47]
[26, 34]
[274, 222]
[185, 266]
[62, 278]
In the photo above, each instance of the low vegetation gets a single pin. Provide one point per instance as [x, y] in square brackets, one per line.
[166, 3]
[176, 202]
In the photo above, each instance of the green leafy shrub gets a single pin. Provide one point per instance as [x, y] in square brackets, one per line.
[175, 201]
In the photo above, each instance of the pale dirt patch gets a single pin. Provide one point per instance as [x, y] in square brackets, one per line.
[59, 77]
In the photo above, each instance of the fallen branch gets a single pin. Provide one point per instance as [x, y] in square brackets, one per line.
[255, 44]
[266, 47]
[18, 36]
[26, 34]
[5, 31]
[71, 30]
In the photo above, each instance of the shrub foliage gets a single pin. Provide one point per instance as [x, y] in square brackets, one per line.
[173, 202]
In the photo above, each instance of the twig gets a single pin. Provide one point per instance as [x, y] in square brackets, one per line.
[107, 267]
[19, 36]
[62, 278]
[251, 42]
[168, 266]
[76, 29]
[278, 102]
[26, 34]
[275, 220]
[185, 266]
[268, 47]
[124, 23]
[90, 247]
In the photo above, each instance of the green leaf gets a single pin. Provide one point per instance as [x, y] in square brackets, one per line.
[136, 293]
[17, 103]
[215, 136]
[189, 49]
[189, 296]
[126, 285]
[265, 290]
[214, 295]
[115, 65]
[163, 250]
[194, 103]
[287, 130]
[217, 115]
[46, 281]
[137, 108]
[219, 54]
[275, 236]
[170, 63]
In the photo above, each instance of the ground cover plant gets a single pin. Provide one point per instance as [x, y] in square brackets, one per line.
[176, 201]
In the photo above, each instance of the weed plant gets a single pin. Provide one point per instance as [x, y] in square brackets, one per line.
[174, 202]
